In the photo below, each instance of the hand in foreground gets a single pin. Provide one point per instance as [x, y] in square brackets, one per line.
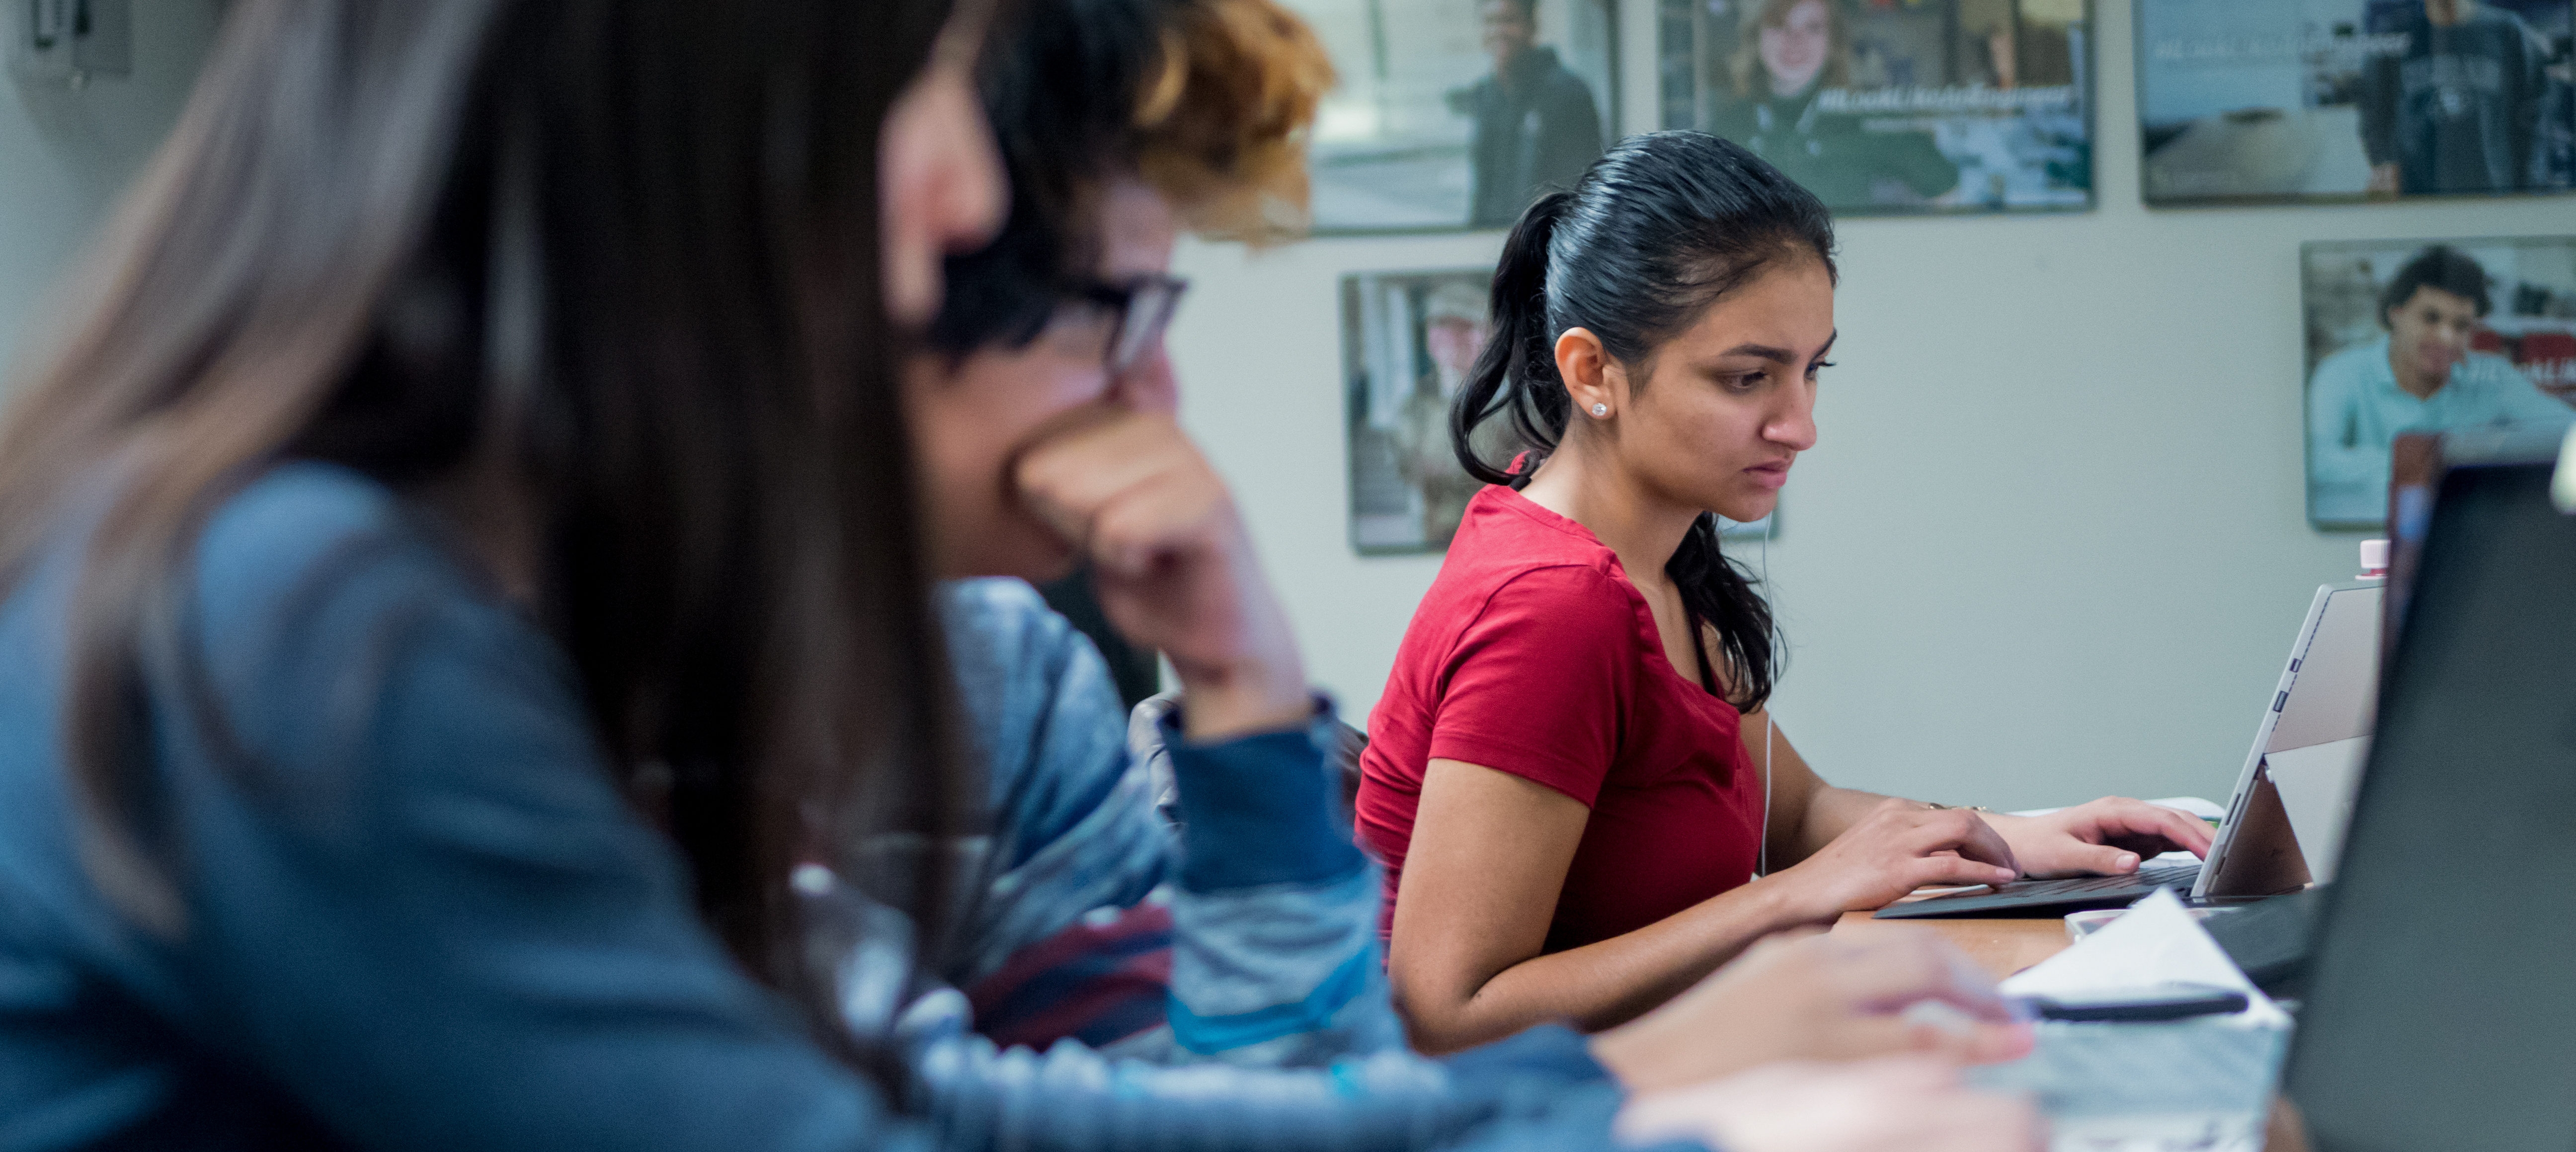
[2106, 837]
[1174, 568]
[1899, 847]
[1819, 997]
[1898, 1104]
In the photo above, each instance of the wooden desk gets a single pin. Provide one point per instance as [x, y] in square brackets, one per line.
[2001, 947]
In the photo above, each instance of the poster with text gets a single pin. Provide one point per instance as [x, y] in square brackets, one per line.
[2429, 336]
[1893, 106]
[2287, 100]
[1409, 339]
[1455, 114]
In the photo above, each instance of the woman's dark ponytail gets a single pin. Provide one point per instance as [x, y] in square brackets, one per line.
[1660, 228]
[1518, 364]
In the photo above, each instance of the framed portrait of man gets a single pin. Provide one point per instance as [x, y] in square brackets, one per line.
[2341, 100]
[2428, 336]
[1410, 340]
[1886, 107]
[1455, 114]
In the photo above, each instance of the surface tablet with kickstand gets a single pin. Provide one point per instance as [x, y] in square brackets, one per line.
[2315, 726]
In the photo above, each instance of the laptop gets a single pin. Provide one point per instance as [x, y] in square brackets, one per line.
[2439, 1011]
[2296, 782]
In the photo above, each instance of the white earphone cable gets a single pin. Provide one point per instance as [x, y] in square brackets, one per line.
[1764, 860]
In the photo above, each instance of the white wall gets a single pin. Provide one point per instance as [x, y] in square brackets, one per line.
[2051, 544]
[65, 152]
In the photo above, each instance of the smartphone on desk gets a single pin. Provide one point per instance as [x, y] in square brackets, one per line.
[2171, 1001]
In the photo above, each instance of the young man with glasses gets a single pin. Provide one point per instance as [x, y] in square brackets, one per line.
[1042, 417]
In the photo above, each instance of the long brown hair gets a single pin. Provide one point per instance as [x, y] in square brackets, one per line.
[610, 268]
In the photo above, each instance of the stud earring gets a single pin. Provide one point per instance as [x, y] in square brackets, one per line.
[1600, 409]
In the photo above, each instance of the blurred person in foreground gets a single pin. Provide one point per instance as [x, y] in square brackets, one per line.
[473, 444]
[1044, 406]
[2420, 376]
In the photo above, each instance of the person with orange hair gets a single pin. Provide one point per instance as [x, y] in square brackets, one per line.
[1247, 1004]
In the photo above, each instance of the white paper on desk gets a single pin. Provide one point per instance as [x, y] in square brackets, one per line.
[2155, 943]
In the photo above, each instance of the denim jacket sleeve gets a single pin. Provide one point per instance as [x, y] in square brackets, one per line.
[417, 913]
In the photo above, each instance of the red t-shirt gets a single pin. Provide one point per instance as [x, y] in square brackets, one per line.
[1533, 655]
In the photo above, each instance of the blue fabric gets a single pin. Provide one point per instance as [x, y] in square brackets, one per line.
[1242, 1029]
[1549, 1050]
[1077, 833]
[1258, 810]
[419, 917]
[1073, 821]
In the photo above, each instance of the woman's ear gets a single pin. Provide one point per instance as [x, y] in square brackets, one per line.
[1592, 380]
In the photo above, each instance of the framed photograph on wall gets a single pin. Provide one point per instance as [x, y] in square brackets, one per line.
[1455, 114]
[2342, 100]
[1894, 106]
[1408, 341]
[2416, 335]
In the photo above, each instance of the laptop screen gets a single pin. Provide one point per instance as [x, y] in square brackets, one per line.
[2441, 1008]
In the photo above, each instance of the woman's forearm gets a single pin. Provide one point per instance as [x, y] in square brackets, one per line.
[1830, 812]
[1805, 813]
[1613, 981]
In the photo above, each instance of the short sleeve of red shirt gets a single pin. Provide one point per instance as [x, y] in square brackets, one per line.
[1536, 685]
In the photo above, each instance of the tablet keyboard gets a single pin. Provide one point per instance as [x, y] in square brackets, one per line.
[2167, 876]
[2034, 898]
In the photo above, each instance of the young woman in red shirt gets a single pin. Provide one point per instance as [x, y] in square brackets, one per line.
[1566, 777]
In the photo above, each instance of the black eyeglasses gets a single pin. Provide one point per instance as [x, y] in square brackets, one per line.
[1141, 309]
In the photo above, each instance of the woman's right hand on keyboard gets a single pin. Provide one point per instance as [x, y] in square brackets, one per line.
[1899, 847]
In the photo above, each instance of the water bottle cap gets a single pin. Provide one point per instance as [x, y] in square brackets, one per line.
[2374, 557]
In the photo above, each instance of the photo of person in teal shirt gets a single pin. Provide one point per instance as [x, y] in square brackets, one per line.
[2420, 374]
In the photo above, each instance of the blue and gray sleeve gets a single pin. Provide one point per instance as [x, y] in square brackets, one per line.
[1276, 959]
[1274, 952]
